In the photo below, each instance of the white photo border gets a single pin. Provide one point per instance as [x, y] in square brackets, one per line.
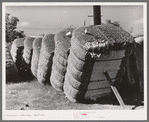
[68, 114]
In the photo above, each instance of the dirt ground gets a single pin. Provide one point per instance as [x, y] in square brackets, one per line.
[30, 95]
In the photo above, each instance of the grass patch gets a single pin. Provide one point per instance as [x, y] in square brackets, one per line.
[31, 95]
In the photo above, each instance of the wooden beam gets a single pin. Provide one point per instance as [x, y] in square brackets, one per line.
[114, 89]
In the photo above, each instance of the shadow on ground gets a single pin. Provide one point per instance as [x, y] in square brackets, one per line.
[131, 96]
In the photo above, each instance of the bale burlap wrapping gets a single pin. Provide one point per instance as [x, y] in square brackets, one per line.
[84, 78]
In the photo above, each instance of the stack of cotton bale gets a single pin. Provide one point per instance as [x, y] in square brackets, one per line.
[95, 50]
[62, 44]
[136, 68]
[36, 52]
[11, 68]
[25, 66]
[17, 51]
[45, 59]
[139, 56]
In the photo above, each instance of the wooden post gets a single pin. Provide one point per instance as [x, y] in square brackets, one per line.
[97, 15]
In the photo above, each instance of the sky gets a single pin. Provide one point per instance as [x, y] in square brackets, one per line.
[35, 20]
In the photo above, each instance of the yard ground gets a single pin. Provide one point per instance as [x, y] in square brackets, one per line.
[30, 95]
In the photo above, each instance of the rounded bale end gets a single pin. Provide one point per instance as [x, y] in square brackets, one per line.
[48, 43]
[28, 42]
[37, 43]
[63, 38]
[18, 42]
[63, 35]
[103, 35]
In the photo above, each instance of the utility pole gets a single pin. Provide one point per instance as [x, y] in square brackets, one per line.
[84, 23]
[97, 14]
